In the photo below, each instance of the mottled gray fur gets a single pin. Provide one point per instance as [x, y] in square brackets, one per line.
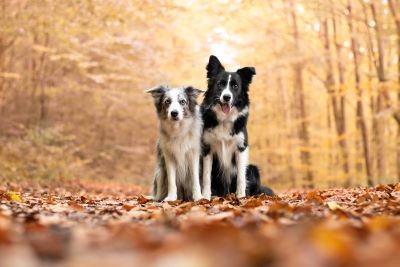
[176, 174]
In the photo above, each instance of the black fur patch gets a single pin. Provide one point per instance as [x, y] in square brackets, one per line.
[239, 125]
[205, 149]
[209, 118]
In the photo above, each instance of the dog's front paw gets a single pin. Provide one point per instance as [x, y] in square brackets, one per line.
[197, 197]
[207, 195]
[240, 194]
[170, 198]
[157, 198]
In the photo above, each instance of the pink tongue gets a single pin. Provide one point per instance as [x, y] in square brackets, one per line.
[226, 108]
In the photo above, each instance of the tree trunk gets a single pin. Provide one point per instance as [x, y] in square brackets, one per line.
[361, 124]
[342, 99]
[336, 107]
[288, 122]
[305, 155]
[379, 120]
[42, 84]
[396, 15]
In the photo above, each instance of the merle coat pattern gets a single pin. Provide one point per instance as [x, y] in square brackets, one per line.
[225, 112]
[178, 149]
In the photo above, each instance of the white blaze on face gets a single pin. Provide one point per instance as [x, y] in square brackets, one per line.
[226, 108]
[175, 96]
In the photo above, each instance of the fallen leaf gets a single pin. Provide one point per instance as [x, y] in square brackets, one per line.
[333, 205]
[142, 200]
[128, 207]
[252, 203]
[14, 197]
[314, 196]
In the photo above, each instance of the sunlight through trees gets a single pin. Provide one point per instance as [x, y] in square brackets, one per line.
[325, 100]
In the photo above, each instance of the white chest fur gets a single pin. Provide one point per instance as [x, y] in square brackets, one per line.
[182, 138]
[180, 141]
[221, 141]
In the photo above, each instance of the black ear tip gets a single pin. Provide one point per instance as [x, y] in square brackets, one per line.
[213, 58]
[247, 70]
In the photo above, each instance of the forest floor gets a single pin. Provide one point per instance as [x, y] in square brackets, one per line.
[78, 224]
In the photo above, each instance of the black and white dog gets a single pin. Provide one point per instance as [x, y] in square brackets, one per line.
[225, 111]
[179, 145]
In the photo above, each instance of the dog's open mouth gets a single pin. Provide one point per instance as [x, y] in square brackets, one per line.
[226, 108]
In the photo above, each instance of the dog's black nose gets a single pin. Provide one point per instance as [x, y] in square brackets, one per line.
[226, 98]
[174, 114]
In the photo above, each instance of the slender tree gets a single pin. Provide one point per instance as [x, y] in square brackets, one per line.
[360, 120]
[380, 120]
[394, 9]
[298, 82]
[334, 94]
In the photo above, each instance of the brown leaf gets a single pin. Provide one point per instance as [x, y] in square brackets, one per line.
[252, 203]
[76, 206]
[128, 207]
[142, 200]
[314, 196]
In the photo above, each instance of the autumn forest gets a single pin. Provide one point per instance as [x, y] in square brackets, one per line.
[325, 100]
[78, 132]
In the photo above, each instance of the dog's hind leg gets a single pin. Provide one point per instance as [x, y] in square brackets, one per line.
[159, 190]
[254, 186]
[154, 192]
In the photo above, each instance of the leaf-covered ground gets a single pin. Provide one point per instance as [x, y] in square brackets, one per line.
[89, 225]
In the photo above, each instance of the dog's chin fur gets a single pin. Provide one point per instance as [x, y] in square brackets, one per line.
[225, 140]
[178, 145]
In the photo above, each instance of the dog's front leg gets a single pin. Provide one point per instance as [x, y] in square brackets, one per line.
[196, 190]
[242, 158]
[171, 173]
[207, 165]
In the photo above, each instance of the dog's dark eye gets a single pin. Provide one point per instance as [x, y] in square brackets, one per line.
[235, 86]
[167, 101]
[182, 102]
[221, 84]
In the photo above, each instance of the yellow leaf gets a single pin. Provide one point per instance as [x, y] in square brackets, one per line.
[14, 197]
[333, 205]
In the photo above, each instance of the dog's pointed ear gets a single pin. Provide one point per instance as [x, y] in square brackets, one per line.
[192, 92]
[214, 67]
[157, 92]
[246, 74]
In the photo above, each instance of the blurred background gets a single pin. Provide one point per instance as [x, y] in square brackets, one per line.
[325, 101]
